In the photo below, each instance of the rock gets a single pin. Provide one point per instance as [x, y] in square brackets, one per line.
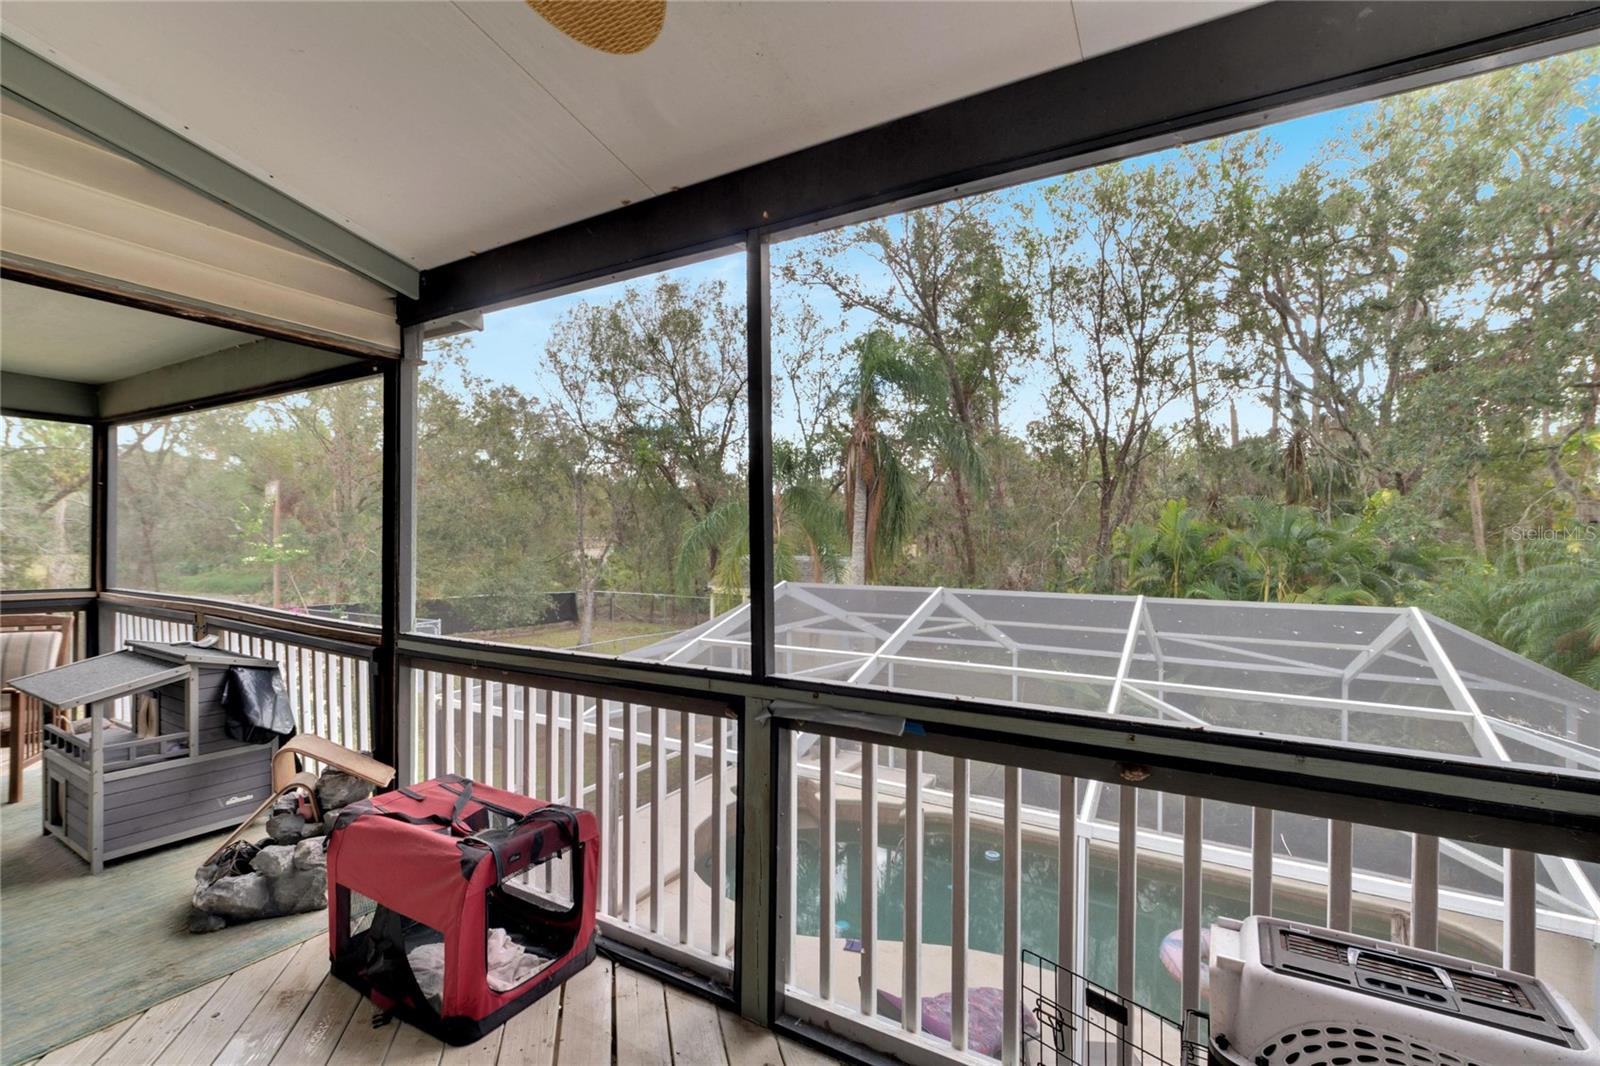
[286, 827]
[274, 861]
[336, 789]
[241, 896]
[202, 922]
[300, 890]
[311, 855]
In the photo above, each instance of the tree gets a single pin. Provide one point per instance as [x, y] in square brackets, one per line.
[1118, 261]
[937, 278]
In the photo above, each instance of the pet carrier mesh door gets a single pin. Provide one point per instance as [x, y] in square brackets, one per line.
[480, 902]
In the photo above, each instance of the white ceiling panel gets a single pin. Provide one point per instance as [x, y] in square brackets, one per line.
[437, 130]
[73, 338]
[727, 85]
[401, 121]
[1107, 25]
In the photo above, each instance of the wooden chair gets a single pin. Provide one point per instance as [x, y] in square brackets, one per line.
[285, 778]
[29, 643]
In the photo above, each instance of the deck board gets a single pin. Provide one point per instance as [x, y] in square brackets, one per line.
[263, 1032]
[413, 1047]
[586, 1017]
[317, 1031]
[285, 1010]
[150, 1034]
[203, 1039]
[748, 1044]
[87, 1050]
[696, 1035]
[530, 1036]
[641, 1006]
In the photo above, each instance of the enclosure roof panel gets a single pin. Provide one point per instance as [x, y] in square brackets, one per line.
[1382, 677]
[103, 677]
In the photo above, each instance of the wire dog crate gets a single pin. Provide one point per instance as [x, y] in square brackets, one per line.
[1084, 1024]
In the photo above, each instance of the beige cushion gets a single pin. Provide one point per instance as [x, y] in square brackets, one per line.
[23, 653]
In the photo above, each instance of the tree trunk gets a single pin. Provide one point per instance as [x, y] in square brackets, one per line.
[858, 527]
[1194, 395]
[969, 553]
[1480, 539]
[1233, 422]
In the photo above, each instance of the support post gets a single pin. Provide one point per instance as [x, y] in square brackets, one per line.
[758, 341]
[99, 628]
[400, 451]
[398, 555]
[755, 963]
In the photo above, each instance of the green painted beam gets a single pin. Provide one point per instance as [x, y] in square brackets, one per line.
[42, 84]
[254, 369]
[29, 396]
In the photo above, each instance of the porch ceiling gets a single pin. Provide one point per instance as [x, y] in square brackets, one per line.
[440, 130]
[72, 338]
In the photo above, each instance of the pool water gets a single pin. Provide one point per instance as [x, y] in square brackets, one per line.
[1158, 900]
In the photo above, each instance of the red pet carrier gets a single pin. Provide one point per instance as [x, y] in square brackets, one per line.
[454, 905]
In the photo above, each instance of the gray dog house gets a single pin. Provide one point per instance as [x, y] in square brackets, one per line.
[169, 770]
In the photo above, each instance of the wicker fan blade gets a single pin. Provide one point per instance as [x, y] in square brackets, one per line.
[621, 27]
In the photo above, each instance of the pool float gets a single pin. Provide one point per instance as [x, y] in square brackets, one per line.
[1172, 957]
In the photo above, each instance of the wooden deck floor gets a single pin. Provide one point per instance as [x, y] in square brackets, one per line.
[286, 1011]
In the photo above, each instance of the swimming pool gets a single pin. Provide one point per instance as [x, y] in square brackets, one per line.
[1159, 901]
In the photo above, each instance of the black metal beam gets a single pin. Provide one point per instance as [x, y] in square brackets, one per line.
[1278, 58]
[758, 324]
[386, 694]
[102, 528]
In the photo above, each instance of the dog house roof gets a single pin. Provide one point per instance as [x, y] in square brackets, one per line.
[140, 667]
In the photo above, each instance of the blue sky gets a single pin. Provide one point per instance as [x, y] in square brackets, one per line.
[511, 347]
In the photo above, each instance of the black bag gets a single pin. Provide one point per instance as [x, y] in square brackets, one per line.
[257, 705]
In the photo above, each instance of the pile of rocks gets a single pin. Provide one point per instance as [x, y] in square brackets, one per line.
[286, 873]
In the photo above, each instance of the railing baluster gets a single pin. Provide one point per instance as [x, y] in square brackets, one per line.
[449, 685]
[430, 711]
[602, 796]
[630, 808]
[719, 832]
[1425, 891]
[530, 770]
[911, 930]
[508, 748]
[552, 750]
[869, 878]
[1340, 874]
[825, 870]
[486, 741]
[1193, 870]
[1127, 885]
[1261, 860]
[1519, 932]
[960, 918]
[1011, 937]
[685, 830]
[575, 736]
[1066, 895]
[469, 730]
[658, 799]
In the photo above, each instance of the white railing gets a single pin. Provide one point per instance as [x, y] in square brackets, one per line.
[926, 876]
[670, 767]
[330, 684]
[330, 688]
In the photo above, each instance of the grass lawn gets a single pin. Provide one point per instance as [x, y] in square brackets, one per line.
[607, 638]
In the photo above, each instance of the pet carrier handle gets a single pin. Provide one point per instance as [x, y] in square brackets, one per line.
[496, 840]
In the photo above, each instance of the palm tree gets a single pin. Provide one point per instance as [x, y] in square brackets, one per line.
[805, 520]
[876, 484]
[1181, 554]
[879, 488]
